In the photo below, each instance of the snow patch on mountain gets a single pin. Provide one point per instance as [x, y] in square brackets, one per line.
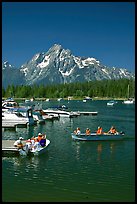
[45, 62]
[59, 65]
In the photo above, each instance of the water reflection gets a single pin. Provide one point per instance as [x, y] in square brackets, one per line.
[95, 150]
[27, 162]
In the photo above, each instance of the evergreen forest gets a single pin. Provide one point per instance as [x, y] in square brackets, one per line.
[104, 88]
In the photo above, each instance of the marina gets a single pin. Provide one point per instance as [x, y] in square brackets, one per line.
[97, 167]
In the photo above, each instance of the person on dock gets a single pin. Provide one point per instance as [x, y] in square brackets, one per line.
[77, 131]
[112, 130]
[18, 143]
[99, 131]
[88, 132]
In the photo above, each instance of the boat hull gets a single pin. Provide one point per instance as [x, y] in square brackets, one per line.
[95, 137]
[9, 150]
[40, 150]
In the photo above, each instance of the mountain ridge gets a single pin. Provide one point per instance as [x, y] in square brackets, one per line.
[59, 65]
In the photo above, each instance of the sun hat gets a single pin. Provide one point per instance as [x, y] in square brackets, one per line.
[40, 133]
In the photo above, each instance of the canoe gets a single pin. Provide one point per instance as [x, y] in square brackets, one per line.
[95, 137]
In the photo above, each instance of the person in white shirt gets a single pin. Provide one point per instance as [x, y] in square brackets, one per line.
[77, 131]
[18, 143]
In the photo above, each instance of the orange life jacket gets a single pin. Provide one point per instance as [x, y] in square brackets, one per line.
[87, 132]
[99, 131]
[39, 138]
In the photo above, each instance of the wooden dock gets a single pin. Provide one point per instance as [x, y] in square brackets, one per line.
[88, 113]
[13, 126]
[10, 143]
[8, 147]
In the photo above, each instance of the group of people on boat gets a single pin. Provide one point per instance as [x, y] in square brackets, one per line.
[33, 143]
[98, 132]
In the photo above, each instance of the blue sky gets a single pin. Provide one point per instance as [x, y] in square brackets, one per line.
[103, 30]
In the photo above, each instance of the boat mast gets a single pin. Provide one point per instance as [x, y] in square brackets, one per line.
[128, 92]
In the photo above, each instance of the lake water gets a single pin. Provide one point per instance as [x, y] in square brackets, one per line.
[100, 171]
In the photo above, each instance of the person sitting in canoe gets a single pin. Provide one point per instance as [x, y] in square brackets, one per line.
[88, 132]
[112, 130]
[77, 131]
[99, 131]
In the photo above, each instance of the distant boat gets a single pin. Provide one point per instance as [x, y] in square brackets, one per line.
[47, 99]
[129, 100]
[9, 103]
[87, 98]
[111, 103]
[59, 99]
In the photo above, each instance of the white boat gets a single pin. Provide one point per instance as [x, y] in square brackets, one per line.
[84, 100]
[47, 99]
[59, 99]
[9, 103]
[87, 98]
[9, 149]
[61, 113]
[38, 117]
[18, 116]
[48, 116]
[39, 150]
[111, 103]
[129, 100]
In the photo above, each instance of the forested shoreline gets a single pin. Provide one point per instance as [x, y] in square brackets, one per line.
[93, 89]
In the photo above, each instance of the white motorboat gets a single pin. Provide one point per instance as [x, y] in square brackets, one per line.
[39, 150]
[111, 103]
[9, 149]
[62, 113]
[87, 98]
[18, 116]
[129, 100]
[9, 103]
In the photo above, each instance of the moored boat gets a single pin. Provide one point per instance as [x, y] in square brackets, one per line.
[40, 149]
[18, 116]
[129, 101]
[95, 137]
[9, 149]
[111, 103]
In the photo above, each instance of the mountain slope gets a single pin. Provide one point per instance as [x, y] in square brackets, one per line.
[58, 65]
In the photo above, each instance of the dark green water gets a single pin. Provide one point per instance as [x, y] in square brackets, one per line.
[75, 171]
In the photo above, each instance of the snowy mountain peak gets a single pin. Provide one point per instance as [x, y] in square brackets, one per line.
[59, 65]
[6, 64]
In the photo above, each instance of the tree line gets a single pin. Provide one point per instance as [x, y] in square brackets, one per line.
[104, 88]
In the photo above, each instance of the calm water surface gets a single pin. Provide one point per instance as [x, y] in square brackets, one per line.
[75, 171]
